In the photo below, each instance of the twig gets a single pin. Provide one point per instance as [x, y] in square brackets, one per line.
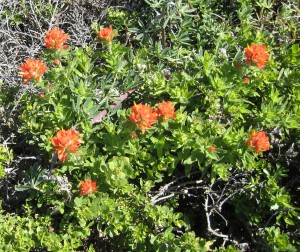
[168, 189]
[53, 15]
[156, 201]
[35, 17]
[18, 101]
[208, 214]
[209, 228]
[21, 158]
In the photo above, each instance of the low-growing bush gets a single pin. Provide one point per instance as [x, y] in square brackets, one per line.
[173, 127]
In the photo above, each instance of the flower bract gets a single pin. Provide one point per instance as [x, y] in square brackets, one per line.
[106, 34]
[55, 39]
[257, 54]
[32, 69]
[212, 148]
[134, 135]
[246, 80]
[66, 141]
[143, 115]
[56, 61]
[258, 141]
[166, 110]
[87, 187]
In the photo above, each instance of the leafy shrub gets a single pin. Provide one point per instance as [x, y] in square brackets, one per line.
[175, 129]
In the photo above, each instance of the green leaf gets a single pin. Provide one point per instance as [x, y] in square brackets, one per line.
[78, 201]
[87, 103]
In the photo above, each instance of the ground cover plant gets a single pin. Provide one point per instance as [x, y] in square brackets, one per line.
[152, 125]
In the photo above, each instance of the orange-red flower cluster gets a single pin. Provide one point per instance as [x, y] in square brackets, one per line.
[257, 54]
[66, 141]
[87, 187]
[55, 39]
[258, 141]
[166, 110]
[144, 116]
[106, 34]
[32, 69]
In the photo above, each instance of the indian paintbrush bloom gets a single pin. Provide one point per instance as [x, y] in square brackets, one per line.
[55, 39]
[165, 110]
[258, 141]
[246, 80]
[134, 135]
[66, 141]
[32, 69]
[143, 116]
[56, 61]
[257, 54]
[212, 148]
[87, 187]
[106, 34]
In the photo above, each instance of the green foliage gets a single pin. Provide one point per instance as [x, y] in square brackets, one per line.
[197, 167]
[6, 156]
[277, 241]
[24, 233]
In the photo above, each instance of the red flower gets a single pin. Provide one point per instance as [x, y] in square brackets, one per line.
[41, 95]
[257, 54]
[56, 61]
[32, 69]
[143, 115]
[258, 141]
[106, 34]
[55, 39]
[65, 141]
[87, 187]
[166, 111]
[134, 135]
[246, 80]
[212, 148]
